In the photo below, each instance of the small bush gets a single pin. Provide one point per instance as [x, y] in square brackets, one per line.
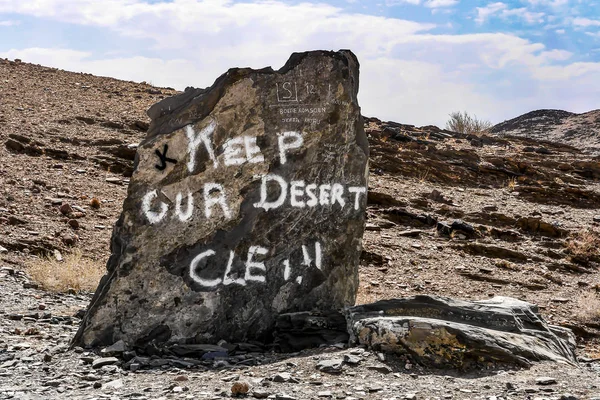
[583, 246]
[588, 308]
[74, 272]
[467, 124]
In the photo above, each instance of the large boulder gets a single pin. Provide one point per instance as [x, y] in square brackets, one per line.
[443, 332]
[247, 201]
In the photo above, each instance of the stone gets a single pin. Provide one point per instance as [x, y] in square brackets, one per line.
[66, 209]
[115, 349]
[545, 380]
[384, 369]
[596, 218]
[101, 362]
[73, 223]
[460, 225]
[114, 180]
[116, 384]
[3, 250]
[442, 332]
[284, 396]
[260, 394]
[352, 359]
[282, 377]
[331, 366]
[301, 330]
[223, 175]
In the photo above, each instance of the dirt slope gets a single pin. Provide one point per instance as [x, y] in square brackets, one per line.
[448, 214]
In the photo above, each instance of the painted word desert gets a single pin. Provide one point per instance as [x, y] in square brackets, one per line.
[261, 238]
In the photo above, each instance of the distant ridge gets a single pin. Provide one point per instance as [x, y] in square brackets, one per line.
[579, 130]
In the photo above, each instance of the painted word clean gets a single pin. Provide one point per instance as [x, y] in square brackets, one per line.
[255, 269]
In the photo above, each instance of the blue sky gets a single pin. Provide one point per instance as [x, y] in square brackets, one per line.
[420, 59]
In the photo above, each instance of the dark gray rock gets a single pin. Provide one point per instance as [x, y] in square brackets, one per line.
[352, 359]
[545, 380]
[301, 330]
[331, 366]
[116, 349]
[443, 332]
[247, 201]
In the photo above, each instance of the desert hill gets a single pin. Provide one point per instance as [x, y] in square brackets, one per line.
[579, 130]
[513, 214]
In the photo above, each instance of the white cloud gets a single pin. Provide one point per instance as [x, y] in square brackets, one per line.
[483, 13]
[585, 22]
[549, 3]
[391, 3]
[407, 73]
[501, 10]
[529, 16]
[440, 3]
[10, 23]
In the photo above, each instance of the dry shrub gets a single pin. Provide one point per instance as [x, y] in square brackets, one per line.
[512, 184]
[588, 308]
[75, 272]
[465, 123]
[583, 246]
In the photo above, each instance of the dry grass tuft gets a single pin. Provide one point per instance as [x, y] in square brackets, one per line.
[424, 174]
[583, 246]
[512, 184]
[75, 272]
[588, 308]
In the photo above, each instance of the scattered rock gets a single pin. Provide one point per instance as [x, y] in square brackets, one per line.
[13, 220]
[352, 359]
[66, 209]
[282, 377]
[284, 397]
[116, 349]
[101, 362]
[114, 180]
[116, 384]
[384, 369]
[331, 366]
[260, 394]
[545, 380]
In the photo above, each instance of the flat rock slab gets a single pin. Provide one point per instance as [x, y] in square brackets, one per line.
[247, 201]
[443, 332]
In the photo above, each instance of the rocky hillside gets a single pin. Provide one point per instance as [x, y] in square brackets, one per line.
[579, 130]
[454, 215]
